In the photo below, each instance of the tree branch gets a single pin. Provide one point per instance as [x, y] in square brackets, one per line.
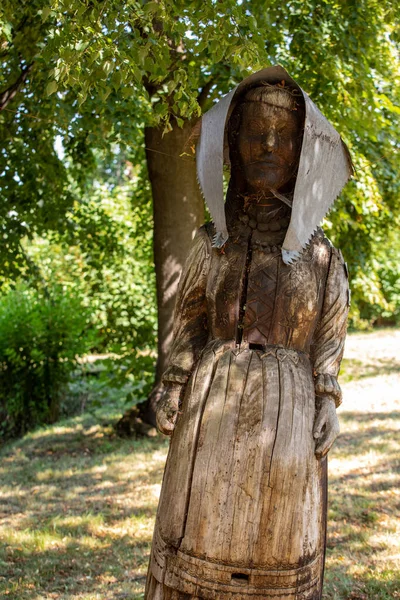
[12, 91]
[202, 97]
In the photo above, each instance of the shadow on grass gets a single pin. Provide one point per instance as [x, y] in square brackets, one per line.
[368, 417]
[77, 512]
[354, 370]
[363, 509]
[78, 506]
[381, 437]
[378, 448]
[341, 584]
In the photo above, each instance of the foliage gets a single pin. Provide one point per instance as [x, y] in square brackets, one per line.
[378, 291]
[94, 73]
[105, 254]
[104, 258]
[388, 270]
[41, 335]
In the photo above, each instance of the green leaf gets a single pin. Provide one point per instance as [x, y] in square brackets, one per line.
[7, 30]
[108, 67]
[151, 7]
[51, 87]
[46, 11]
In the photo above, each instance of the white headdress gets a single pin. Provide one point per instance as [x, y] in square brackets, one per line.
[324, 167]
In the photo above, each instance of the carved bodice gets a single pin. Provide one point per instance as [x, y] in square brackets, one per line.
[252, 296]
[245, 293]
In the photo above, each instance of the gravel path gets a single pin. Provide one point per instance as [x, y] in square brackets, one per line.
[371, 378]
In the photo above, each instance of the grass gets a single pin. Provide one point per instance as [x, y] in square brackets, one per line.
[78, 504]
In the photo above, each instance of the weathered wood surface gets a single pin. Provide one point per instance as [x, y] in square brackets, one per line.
[242, 486]
[242, 510]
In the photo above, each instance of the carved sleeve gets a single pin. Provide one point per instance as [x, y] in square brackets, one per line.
[328, 343]
[190, 317]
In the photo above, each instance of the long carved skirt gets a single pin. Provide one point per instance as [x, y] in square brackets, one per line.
[242, 510]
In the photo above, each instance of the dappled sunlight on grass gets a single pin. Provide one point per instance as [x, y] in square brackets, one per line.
[78, 503]
[78, 507]
[363, 553]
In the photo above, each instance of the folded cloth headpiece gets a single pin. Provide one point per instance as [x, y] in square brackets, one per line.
[324, 167]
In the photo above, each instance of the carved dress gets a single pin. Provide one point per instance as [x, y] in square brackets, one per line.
[242, 510]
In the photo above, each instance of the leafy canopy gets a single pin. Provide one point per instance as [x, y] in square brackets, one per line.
[94, 73]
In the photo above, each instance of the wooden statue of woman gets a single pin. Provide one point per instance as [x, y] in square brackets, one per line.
[251, 387]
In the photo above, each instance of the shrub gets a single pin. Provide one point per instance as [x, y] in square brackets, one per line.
[41, 335]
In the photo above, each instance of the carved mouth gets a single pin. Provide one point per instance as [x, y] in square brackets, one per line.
[275, 162]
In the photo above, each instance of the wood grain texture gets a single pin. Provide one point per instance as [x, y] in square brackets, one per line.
[242, 511]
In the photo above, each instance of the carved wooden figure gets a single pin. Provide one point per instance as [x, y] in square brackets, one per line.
[251, 387]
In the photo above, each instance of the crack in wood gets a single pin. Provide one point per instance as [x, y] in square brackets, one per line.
[277, 424]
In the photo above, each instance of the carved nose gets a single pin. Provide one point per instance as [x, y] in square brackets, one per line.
[271, 140]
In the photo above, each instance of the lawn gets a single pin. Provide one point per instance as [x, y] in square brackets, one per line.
[78, 504]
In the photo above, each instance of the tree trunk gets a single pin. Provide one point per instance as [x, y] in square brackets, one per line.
[178, 211]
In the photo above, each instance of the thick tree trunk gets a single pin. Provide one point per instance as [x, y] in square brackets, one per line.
[178, 212]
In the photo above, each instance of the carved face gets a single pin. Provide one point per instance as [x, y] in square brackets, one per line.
[268, 145]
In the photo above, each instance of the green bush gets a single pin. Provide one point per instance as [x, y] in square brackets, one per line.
[41, 334]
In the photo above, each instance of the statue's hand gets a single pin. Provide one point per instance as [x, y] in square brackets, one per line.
[326, 426]
[168, 409]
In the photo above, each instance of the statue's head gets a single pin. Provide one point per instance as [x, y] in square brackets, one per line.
[279, 142]
[265, 133]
